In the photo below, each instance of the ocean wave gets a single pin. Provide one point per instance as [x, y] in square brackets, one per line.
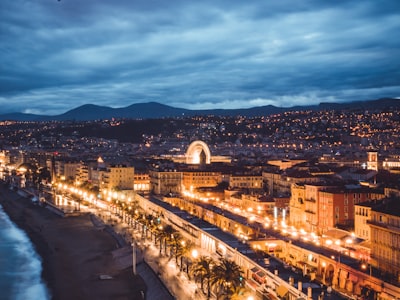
[20, 265]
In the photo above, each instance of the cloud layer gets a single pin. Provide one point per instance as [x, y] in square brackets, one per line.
[56, 55]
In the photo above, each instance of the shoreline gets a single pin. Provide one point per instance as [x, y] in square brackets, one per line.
[74, 253]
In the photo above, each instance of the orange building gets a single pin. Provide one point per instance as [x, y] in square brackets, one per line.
[194, 179]
[336, 206]
[259, 204]
[141, 182]
[319, 208]
[253, 182]
[297, 216]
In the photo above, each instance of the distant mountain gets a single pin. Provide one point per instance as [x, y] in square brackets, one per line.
[383, 103]
[154, 110]
[21, 117]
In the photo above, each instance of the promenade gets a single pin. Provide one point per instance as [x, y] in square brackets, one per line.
[159, 272]
[77, 254]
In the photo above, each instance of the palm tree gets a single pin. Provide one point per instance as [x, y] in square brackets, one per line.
[142, 221]
[184, 252]
[149, 222]
[202, 269]
[227, 276]
[239, 293]
[137, 216]
[176, 243]
[168, 231]
[160, 236]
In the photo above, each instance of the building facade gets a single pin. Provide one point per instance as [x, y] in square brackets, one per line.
[117, 177]
[246, 182]
[385, 238]
[362, 216]
[165, 181]
[198, 178]
[297, 207]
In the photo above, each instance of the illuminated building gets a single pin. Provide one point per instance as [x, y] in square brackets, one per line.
[165, 181]
[198, 153]
[258, 204]
[361, 218]
[252, 182]
[280, 183]
[385, 237]
[285, 164]
[297, 216]
[118, 177]
[372, 163]
[320, 208]
[141, 182]
[336, 206]
[193, 179]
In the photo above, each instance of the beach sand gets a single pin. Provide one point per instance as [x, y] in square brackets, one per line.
[74, 252]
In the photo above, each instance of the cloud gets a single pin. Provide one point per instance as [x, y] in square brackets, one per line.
[196, 54]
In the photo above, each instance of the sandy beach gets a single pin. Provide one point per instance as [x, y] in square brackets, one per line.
[74, 252]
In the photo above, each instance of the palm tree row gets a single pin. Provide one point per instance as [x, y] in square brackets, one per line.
[223, 277]
[165, 236]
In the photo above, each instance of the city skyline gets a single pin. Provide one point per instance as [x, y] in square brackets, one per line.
[301, 204]
[58, 55]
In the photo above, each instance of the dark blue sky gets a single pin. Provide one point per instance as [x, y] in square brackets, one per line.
[57, 55]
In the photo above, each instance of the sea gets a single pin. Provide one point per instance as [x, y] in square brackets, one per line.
[20, 265]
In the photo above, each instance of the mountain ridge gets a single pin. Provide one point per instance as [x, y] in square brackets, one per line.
[156, 110]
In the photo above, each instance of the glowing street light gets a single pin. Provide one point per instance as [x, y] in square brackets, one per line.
[364, 267]
[195, 253]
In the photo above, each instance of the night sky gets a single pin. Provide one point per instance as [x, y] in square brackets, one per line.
[57, 55]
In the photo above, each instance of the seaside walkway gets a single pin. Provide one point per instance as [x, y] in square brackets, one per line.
[155, 287]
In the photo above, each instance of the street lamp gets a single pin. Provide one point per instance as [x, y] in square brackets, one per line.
[133, 257]
[364, 267]
[195, 253]
[323, 271]
[337, 268]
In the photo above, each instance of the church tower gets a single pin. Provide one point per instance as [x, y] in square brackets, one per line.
[372, 163]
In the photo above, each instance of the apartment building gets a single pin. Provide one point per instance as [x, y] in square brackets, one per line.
[259, 204]
[279, 183]
[141, 182]
[164, 181]
[362, 216]
[119, 177]
[297, 206]
[252, 182]
[385, 237]
[193, 179]
[322, 207]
